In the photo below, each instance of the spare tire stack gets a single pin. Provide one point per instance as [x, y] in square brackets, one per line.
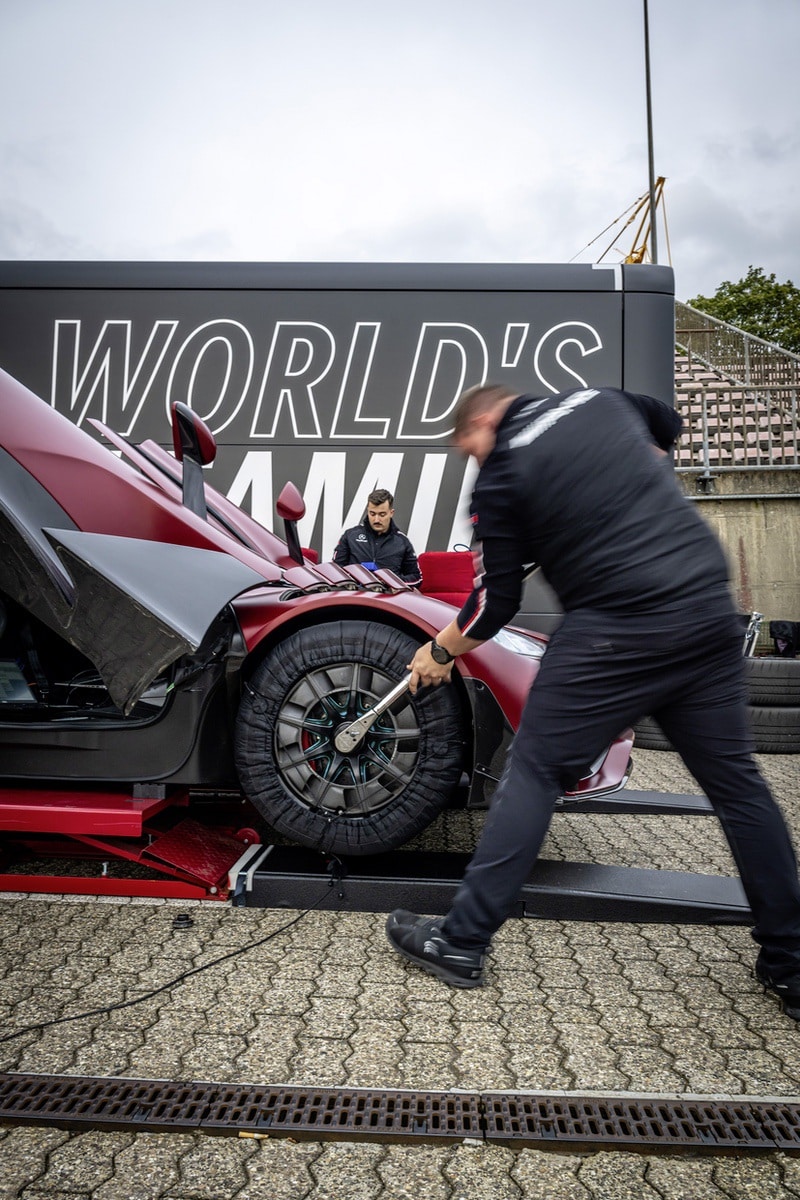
[774, 699]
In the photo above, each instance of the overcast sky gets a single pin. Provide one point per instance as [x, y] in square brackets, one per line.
[427, 130]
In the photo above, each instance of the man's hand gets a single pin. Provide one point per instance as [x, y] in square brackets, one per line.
[425, 671]
[423, 667]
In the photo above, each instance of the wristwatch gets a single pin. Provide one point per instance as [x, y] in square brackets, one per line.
[439, 654]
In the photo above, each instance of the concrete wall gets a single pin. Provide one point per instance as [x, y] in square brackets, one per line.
[756, 515]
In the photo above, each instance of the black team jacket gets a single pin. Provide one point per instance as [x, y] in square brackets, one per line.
[573, 485]
[391, 550]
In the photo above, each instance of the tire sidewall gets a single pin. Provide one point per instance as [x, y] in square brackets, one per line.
[776, 730]
[773, 682]
[437, 711]
[650, 736]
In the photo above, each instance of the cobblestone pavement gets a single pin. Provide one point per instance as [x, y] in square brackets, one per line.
[580, 1006]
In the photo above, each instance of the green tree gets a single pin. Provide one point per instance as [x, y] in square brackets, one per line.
[760, 305]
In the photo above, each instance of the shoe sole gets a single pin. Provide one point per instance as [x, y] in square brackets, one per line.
[433, 968]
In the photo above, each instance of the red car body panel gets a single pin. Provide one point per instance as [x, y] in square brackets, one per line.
[97, 490]
[52, 448]
[138, 496]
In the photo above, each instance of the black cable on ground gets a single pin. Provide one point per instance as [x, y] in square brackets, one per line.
[109, 1008]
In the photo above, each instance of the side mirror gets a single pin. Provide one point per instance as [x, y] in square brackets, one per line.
[195, 447]
[291, 507]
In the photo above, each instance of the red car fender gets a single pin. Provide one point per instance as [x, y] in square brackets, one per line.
[264, 614]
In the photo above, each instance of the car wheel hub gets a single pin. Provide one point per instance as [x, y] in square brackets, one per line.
[368, 777]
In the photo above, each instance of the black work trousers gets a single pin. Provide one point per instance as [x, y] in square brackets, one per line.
[602, 672]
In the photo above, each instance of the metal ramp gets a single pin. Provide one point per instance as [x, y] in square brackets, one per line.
[425, 881]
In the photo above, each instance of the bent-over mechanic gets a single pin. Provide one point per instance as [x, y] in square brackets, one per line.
[580, 483]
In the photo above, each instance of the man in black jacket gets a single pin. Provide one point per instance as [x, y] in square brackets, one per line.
[579, 483]
[377, 542]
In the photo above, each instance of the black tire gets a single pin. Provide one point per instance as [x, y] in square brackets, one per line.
[776, 730]
[773, 681]
[650, 736]
[396, 780]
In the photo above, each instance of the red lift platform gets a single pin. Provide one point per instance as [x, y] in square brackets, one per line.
[176, 855]
[191, 847]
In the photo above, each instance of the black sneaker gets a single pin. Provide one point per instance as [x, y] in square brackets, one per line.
[788, 992]
[420, 940]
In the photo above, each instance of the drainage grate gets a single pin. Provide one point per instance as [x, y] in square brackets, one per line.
[643, 1121]
[524, 1119]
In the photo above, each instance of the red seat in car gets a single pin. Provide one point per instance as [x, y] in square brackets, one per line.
[446, 575]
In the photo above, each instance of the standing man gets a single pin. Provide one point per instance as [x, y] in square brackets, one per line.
[377, 542]
[579, 483]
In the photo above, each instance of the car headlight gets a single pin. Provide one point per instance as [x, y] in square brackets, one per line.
[517, 643]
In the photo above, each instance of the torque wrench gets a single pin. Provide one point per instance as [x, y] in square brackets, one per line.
[348, 738]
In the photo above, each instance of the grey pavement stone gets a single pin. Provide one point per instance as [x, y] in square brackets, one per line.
[343, 1169]
[568, 1009]
[330, 1017]
[145, 1170]
[545, 1064]
[597, 1063]
[212, 1056]
[320, 1061]
[761, 1071]
[524, 1027]
[413, 1172]
[212, 1167]
[480, 1056]
[388, 1002]
[269, 1050]
[690, 1178]
[280, 997]
[340, 981]
[650, 1069]
[34, 1194]
[579, 1005]
[628, 1027]
[83, 1162]
[621, 1175]
[545, 1175]
[790, 1169]
[750, 1178]
[425, 1062]
[482, 1171]
[736, 1035]
[23, 1156]
[430, 1020]
[280, 1169]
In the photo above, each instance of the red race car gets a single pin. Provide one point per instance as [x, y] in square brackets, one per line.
[151, 631]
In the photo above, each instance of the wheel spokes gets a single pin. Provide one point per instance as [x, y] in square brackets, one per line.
[380, 766]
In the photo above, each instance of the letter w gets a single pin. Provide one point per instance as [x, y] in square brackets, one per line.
[104, 384]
